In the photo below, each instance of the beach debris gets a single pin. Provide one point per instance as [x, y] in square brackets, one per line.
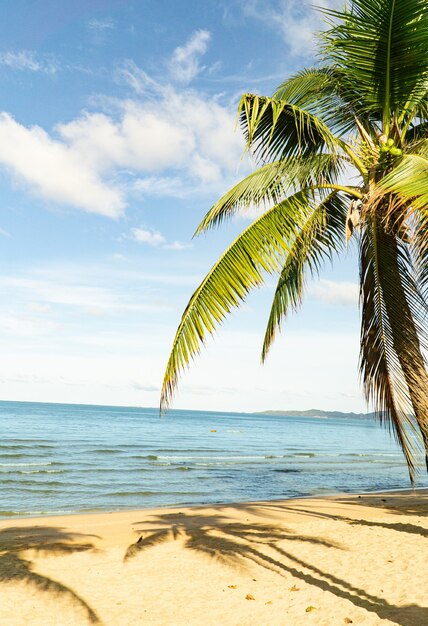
[348, 620]
[294, 588]
[213, 430]
[311, 608]
[269, 602]
[249, 596]
[232, 586]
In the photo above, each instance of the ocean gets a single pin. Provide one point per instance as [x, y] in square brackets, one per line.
[59, 458]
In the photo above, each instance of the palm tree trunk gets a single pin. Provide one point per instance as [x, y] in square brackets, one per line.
[406, 341]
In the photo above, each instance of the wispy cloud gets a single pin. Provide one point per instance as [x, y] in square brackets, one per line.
[101, 25]
[296, 20]
[155, 239]
[184, 63]
[146, 235]
[30, 61]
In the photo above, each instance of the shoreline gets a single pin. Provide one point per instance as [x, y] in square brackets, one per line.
[313, 560]
[409, 491]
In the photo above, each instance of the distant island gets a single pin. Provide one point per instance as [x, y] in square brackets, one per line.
[318, 413]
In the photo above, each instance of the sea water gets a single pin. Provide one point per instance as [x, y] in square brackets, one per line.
[58, 458]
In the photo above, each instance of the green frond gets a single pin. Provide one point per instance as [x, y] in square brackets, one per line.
[269, 185]
[409, 180]
[260, 248]
[327, 93]
[317, 90]
[320, 236]
[276, 129]
[392, 332]
[382, 47]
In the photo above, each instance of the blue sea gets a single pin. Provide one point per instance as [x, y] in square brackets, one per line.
[59, 458]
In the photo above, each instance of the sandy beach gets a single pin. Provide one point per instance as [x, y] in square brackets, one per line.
[335, 560]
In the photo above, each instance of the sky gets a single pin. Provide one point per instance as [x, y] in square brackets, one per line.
[117, 134]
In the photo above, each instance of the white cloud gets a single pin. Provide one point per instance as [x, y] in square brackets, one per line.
[296, 20]
[101, 25]
[332, 292]
[29, 60]
[151, 237]
[155, 239]
[177, 245]
[185, 135]
[55, 171]
[163, 141]
[184, 62]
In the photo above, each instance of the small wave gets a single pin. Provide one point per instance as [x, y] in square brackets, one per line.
[41, 472]
[212, 458]
[288, 471]
[307, 455]
[23, 464]
[106, 451]
[31, 513]
[124, 494]
[20, 481]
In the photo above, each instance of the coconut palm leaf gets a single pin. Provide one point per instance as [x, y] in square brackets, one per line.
[384, 381]
[260, 248]
[320, 236]
[270, 184]
[277, 129]
[382, 47]
[409, 181]
[318, 90]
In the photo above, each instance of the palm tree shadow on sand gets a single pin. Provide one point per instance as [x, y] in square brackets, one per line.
[239, 544]
[14, 567]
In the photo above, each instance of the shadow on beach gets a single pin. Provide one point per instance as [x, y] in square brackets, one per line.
[15, 567]
[238, 544]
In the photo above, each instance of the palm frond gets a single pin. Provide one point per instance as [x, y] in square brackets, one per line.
[260, 248]
[382, 47]
[318, 90]
[392, 331]
[409, 180]
[320, 236]
[270, 184]
[276, 129]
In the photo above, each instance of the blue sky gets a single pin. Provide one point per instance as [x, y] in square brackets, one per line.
[117, 133]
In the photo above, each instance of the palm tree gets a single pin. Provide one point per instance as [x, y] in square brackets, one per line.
[361, 114]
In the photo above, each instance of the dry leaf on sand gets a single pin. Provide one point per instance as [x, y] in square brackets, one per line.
[249, 597]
